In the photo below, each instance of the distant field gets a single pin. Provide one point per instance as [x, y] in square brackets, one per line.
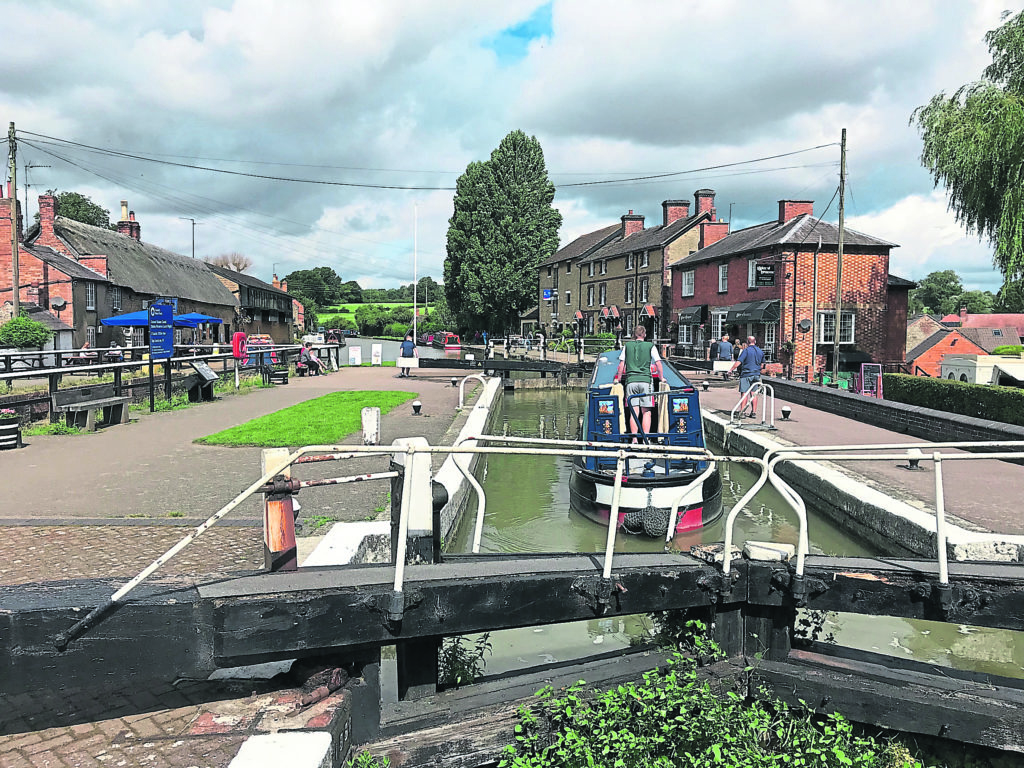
[348, 311]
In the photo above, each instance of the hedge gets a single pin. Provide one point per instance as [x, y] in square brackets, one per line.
[1008, 349]
[981, 401]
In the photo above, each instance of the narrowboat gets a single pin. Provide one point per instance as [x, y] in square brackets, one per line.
[449, 342]
[650, 486]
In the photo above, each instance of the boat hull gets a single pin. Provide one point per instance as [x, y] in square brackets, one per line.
[645, 504]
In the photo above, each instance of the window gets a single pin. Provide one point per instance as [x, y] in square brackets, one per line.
[685, 334]
[644, 289]
[603, 289]
[629, 261]
[549, 271]
[568, 297]
[752, 273]
[718, 323]
[645, 259]
[178, 336]
[604, 266]
[568, 267]
[145, 303]
[629, 292]
[997, 331]
[590, 296]
[138, 337]
[723, 278]
[827, 324]
[687, 282]
[90, 335]
[90, 296]
[590, 269]
[770, 330]
[115, 298]
[590, 323]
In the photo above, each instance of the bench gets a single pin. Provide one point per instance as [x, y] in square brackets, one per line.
[79, 406]
[301, 369]
[273, 375]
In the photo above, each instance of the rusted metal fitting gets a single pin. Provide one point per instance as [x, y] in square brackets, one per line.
[943, 595]
[604, 595]
[396, 608]
[281, 485]
[798, 588]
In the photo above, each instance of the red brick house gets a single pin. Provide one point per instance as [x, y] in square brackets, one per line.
[926, 358]
[101, 272]
[775, 279]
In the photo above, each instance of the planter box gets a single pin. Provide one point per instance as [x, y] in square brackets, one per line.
[10, 432]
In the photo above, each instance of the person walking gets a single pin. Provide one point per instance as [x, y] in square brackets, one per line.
[750, 362]
[725, 353]
[407, 351]
[637, 358]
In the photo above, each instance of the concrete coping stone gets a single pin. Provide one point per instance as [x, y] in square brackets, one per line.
[294, 749]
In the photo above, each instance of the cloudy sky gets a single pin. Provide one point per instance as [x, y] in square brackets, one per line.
[121, 99]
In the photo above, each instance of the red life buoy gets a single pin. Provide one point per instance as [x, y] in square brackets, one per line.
[238, 345]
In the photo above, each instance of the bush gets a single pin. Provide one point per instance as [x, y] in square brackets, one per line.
[23, 332]
[1005, 404]
[1008, 349]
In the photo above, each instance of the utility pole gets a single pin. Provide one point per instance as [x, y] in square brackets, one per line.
[839, 260]
[189, 218]
[27, 167]
[415, 266]
[15, 277]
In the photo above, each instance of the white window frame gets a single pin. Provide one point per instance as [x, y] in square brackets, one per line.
[685, 333]
[568, 298]
[590, 295]
[629, 261]
[770, 331]
[723, 278]
[645, 289]
[90, 295]
[629, 292]
[752, 273]
[604, 266]
[645, 259]
[686, 280]
[826, 327]
[90, 335]
[603, 293]
[115, 298]
[590, 269]
[718, 322]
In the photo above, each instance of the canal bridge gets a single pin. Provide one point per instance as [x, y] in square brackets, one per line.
[156, 628]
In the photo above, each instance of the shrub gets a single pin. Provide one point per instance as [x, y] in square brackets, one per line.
[1004, 404]
[23, 332]
[1008, 349]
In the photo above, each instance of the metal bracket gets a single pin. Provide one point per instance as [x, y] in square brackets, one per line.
[280, 486]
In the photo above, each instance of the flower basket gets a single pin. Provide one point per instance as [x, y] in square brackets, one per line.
[10, 430]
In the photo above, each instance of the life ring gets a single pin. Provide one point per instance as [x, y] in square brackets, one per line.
[238, 345]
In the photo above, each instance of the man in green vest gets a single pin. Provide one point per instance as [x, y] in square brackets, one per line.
[636, 360]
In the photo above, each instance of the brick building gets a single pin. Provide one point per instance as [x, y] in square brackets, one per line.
[559, 280]
[101, 273]
[926, 358]
[263, 307]
[775, 279]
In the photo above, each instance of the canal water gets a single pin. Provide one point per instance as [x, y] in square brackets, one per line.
[528, 511]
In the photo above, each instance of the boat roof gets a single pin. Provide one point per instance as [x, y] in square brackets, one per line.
[608, 362]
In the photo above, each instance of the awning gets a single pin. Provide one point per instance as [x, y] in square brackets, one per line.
[754, 312]
[578, 315]
[140, 319]
[692, 315]
[199, 317]
[649, 310]
[608, 313]
[852, 356]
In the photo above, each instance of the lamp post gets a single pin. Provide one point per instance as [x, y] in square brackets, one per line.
[189, 218]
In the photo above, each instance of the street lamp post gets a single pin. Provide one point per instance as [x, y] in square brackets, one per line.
[189, 218]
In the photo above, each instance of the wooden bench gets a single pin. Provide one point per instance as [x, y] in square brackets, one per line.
[272, 375]
[79, 406]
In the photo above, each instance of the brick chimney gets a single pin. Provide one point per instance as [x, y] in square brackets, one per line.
[284, 286]
[673, 210]
[124, 226]
[711, 232]
[632, 222]
[136, 228]
[47, 216]
[705, 202]
[275, 282]
[790, 209]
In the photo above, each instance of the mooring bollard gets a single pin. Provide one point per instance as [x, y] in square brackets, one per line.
[279, 547]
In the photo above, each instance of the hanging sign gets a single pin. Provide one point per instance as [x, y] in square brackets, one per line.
[764, 275]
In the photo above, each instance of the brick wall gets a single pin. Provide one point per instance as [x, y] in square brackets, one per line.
[925, 423]
[954, 344]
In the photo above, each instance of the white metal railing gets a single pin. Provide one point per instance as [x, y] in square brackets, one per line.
[462, 387]
[767, 394]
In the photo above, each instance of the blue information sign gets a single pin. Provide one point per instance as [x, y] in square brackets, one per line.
[546, 293]
[161, 331]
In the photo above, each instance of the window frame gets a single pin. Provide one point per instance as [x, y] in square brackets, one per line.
[590, 295]
[723, 277]
[568, 298]
[604, 266]
[629, 261]
[629, 292]
[602, 291]
[751, 273]
[824, 315]
[590, 269]
[645, 259]
[90, 295]
[645, 290]
[685, 333]
[683, 282]
[115, 298]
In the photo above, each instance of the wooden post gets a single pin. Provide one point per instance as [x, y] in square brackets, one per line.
[53, 379]
[279, 545]
[167, 380]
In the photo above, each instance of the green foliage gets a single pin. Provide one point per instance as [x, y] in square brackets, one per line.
[23, 332]
[320, 421]
[502, 226]
[366, 760]
[678, 718]
[936, 293]
[1009, 349]
[46, 428]
[976, 302]
[1004, 404]
[460, 660]
[1010, 297]
[176, 403]
[76, 206]
[971, 145]
[321, 284]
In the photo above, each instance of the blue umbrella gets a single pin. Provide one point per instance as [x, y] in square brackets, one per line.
[198, 317]
[140, 319]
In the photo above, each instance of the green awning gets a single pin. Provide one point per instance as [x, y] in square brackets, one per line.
[754, 312]
[692, 315]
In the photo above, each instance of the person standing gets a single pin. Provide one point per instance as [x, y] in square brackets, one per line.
[637, 358]
[407, 350]
[750, 362]
[725, 353]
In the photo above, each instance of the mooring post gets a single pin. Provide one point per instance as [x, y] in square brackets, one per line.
[279, 547]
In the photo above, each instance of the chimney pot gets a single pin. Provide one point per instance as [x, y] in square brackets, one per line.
[124, 210]
[673, 210]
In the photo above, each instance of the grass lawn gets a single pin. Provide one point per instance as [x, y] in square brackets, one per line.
[323, 420]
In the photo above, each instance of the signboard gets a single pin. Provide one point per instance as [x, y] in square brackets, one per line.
[407, 362]
[204, 371]
[355, 355]
[764, 275]
[161, 331]
[376, 354]
[547, 293]
[168, 300]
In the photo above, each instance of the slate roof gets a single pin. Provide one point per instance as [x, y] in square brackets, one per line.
[582, 245]
[990, 338]
[800, 230]
[247, 280]
[652, 237]
[900, 282]
[59, 261]
[927, 344]
[40, 315]
[1015, 321]
[145, 268]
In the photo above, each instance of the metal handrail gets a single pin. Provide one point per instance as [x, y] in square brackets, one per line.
[462, 387]
[767, 393]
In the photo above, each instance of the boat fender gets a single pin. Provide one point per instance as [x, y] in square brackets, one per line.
[238, 344]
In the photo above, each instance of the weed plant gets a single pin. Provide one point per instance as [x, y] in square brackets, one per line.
[461, 660]
[46, 428]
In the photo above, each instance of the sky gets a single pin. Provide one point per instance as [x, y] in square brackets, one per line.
[185, 109]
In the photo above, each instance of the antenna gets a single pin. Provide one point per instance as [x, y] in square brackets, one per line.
[27, 168]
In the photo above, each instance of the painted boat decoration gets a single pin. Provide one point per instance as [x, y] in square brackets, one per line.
[447, 341]
[650, 486]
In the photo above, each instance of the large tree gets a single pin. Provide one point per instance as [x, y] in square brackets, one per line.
[937, 293]
[974, 146]
[79, 207]
[239, 262]
[502, 226]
